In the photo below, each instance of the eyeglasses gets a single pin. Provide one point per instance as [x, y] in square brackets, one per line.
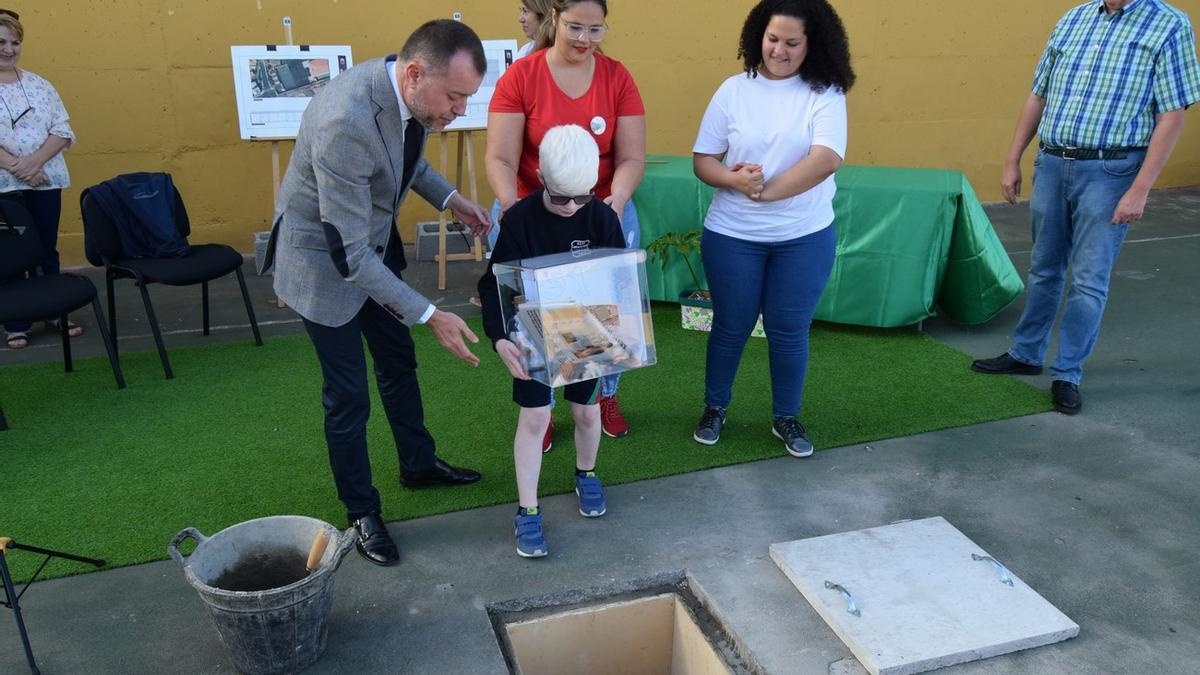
[28, 107]
[563, 200]
[577, 31]
[11, 13]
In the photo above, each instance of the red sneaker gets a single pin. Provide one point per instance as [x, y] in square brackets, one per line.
[611, 420]
[548, 439]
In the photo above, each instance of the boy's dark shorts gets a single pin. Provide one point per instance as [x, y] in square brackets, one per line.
[533, 394]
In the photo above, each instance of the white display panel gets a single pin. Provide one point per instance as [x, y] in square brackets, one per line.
[274, 83]
[500, 55]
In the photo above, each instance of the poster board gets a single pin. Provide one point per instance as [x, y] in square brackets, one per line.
[274, 83]
[499, 55]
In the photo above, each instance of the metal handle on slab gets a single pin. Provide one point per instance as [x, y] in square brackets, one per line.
[1004, 578]
[850, 605]
[183, 535]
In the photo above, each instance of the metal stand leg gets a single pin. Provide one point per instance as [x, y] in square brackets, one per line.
[158, 340]
[204, 303]
[10, 595]
[241, 279]
[64, 327]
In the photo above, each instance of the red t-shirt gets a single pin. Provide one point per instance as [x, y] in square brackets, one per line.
[528, 87]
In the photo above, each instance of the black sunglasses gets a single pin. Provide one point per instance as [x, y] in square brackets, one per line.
[563, 200]
[11, 13]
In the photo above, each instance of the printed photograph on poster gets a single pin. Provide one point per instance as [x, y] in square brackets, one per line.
[273, 84]
[499, 54]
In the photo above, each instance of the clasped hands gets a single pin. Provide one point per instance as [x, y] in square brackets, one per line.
[748, 179]
[28, 170]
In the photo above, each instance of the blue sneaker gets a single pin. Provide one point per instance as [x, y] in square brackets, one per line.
[530, 542]
[591, 495]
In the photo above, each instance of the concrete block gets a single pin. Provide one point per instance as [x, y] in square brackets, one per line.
[427, 240]
[924, 598]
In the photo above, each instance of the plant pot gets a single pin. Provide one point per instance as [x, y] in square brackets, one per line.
[696, 314]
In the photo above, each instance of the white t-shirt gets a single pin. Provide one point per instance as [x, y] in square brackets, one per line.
[523, 51]
[774, 123]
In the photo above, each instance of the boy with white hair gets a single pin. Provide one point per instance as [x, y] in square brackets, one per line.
[562, 216]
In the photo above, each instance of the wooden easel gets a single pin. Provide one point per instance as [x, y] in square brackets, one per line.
[465, 140]
[276, 174]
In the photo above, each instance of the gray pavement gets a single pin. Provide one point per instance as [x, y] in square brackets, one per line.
[1096, 511]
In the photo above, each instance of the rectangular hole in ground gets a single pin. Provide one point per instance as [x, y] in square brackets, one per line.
[656, 626]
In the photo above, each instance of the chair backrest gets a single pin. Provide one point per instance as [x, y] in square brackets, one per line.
[20, 248]
[100, 236]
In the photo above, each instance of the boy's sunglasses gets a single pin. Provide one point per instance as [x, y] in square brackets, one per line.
[563, 200]
[11, 13]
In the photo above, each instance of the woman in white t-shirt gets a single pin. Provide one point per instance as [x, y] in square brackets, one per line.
[32, 168]
[770, 142]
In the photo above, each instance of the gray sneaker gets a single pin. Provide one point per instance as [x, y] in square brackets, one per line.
[708, 430]
[791, 432]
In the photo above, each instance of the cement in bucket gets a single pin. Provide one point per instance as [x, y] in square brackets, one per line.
[280, 629]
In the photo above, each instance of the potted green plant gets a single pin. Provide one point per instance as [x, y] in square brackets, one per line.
[695, 304]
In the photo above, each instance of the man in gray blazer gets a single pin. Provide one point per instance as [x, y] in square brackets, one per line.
[338, 257]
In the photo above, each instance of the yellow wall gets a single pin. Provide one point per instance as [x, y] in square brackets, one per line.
[148, 84]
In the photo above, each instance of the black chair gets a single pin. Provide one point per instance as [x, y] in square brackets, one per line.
[202, 264]
[41, 298]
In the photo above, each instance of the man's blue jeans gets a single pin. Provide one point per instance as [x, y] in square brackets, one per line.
[782, 280]
[1072, 208]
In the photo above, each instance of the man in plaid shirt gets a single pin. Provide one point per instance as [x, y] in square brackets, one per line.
[1107, 104]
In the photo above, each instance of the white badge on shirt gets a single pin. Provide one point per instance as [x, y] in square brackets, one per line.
[598, 125]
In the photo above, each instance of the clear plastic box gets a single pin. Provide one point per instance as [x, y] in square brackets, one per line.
[578, 315]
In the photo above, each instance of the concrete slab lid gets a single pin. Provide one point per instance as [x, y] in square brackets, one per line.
[924, 601]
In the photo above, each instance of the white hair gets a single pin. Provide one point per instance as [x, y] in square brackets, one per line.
[569, 160]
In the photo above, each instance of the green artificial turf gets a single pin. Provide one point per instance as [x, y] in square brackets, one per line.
[238, 433]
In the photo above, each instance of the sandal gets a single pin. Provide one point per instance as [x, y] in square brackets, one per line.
[17, 340]
[73, 329]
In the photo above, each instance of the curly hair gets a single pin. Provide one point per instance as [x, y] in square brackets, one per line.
[828, 61]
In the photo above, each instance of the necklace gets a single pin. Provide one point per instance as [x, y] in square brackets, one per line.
[8, 110]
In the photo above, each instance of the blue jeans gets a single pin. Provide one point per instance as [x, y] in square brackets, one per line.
[781, 280]
[1072, 207]
[45, 207]
[630, 227]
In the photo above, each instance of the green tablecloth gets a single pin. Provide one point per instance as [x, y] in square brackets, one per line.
[909, 240]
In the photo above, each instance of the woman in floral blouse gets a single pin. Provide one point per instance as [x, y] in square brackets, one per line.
[33, 134]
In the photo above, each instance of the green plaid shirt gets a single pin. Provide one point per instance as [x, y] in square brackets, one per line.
[1105, 76]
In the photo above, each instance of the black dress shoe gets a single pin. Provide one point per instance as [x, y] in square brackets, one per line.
[1005, 365]
[440, 473]
[374, 543]
[1066, 397]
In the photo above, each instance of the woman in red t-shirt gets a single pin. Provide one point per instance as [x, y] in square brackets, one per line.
[569, 82]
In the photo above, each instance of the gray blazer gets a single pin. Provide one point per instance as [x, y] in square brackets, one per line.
[338, 202]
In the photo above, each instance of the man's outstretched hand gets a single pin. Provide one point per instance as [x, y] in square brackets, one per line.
[452, 332]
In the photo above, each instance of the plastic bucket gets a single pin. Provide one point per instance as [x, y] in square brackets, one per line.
[271, 629]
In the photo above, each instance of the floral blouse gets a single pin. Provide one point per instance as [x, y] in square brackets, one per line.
[44, 114]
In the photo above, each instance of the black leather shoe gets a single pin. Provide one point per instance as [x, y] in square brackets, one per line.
[440, 473]
[1066, 397]
[374, 543]
[1005, 365]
